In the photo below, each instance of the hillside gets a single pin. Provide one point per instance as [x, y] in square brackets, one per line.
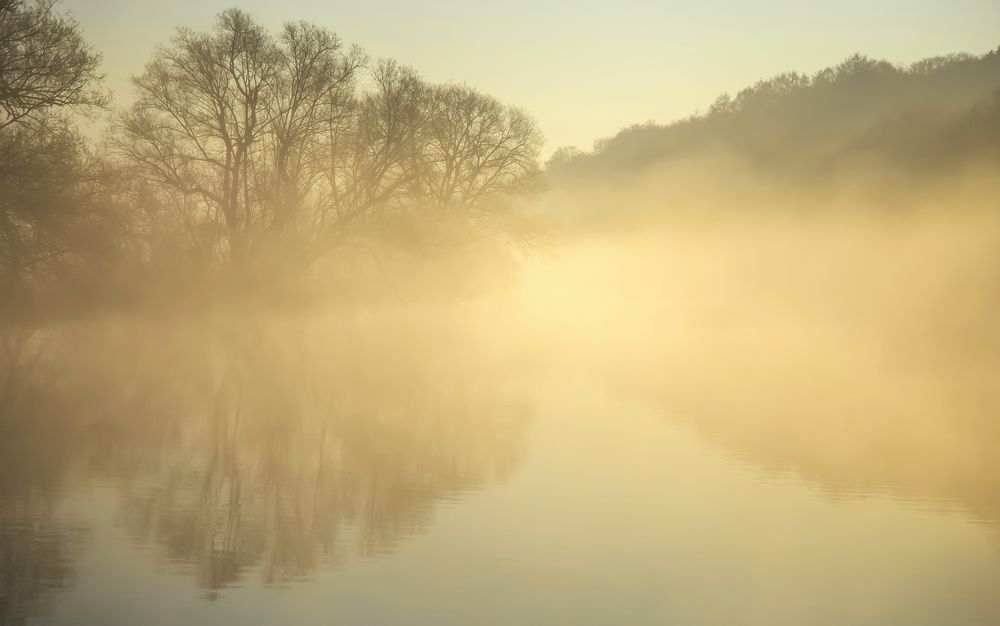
[933, 116]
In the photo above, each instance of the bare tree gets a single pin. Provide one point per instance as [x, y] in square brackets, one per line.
[478, 149]
[313, 94]
[49, 182]
[44, 62]
[374, 161]
[283, 142]
[234, 118]
[201, 106]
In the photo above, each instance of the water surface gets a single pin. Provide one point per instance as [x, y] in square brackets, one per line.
[399, 468]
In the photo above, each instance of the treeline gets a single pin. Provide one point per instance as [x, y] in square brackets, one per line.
[247, 155]
[933, 116]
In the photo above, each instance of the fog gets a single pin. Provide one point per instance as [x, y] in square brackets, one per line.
[843, 340]
[837, 343]
[304, 333]
[833, 339]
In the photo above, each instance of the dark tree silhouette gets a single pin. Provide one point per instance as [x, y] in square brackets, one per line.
[279, 146]
[44, 63]
[48, 179]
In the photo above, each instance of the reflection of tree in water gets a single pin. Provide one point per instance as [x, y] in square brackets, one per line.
[854, 420]
[275, 446]
[35, 551]
[35, 559]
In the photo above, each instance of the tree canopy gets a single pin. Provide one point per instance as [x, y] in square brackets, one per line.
[294, 139]
[50, 184]
[935, 112]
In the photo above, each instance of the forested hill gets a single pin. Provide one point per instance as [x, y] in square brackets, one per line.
[935, 115]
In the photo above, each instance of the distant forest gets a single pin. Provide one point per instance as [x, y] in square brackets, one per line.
[931, 117]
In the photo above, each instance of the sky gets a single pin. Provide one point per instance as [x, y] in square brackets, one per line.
[584, 68]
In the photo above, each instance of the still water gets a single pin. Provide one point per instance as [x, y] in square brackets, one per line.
[421, 468]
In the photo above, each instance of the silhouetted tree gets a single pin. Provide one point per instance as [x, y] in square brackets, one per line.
[478, 149]
[49, 181]
[374, 158]
[44, 62]
[202, 107]
[275, 140]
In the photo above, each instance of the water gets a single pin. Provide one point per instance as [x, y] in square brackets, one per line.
[490, 464]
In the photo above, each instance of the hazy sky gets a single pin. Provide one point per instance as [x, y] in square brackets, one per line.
[583, 68]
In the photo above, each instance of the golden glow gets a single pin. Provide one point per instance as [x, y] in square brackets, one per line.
[300, 346]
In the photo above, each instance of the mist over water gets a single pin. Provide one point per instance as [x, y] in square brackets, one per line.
[846, 344]
[650, 400]
[306, 338]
